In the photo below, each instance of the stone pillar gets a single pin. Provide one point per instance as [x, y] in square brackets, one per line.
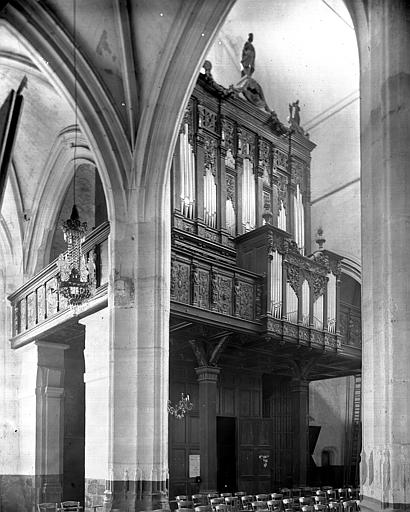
[384, 43]
[126, 356]
[50, 419]
[300, 431]
[207, 379]
[97, 408]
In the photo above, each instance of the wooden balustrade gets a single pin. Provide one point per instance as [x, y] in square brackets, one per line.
[215, 287]
[39, 299]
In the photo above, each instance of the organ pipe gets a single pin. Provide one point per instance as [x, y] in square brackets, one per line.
[331, 303]
[248, 196]
[187, 166]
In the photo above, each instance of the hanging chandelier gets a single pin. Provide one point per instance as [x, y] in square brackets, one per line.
[76, 278]
[181, 408]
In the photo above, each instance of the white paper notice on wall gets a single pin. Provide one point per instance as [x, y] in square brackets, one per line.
[194, 466]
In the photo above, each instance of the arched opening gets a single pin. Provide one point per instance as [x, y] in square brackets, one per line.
[297, 66]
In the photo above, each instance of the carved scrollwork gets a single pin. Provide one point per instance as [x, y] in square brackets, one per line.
[210, 149]
[246, 144]
[243, 293]
[188, 122]
[231, 189]
[281, 183]
[180, 281]
[317, 284]
[258, 300]
[264, 156]
[316, 338]
[267, 201]
[274, 242]
[298, 174]
[228, 135]
[207, 119]
[280, 159]
[321, 259]
[304, 334]
[221, 293]
[294, 278]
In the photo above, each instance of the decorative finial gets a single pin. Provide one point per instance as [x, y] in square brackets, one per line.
[320, 240]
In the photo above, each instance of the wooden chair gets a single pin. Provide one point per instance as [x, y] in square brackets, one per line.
[320, 507]
[277, 496]
[47, 507]
[305, 501]
[212, 495]
[342, 494]
[287, 493]
[70, 506]
[262, 497]
[232, 502]
[226, 494]
[203, 508]
[274, 505]
[331, 495]
[222, 508]
[288, 504]
[181, 497]
[334, 505]
[349, 506]
[184, 504]
[216, 501]
[320, 500]
[185, 509]
[199, 499]
[259, 506]
[307, 508]
[247, 502]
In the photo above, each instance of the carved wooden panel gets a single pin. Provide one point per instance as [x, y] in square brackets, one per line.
[51, 296]
[31, 310]
[244, 300]
[62, 302]
[280, 159]
[281, 407]
[227, 405]
[207, 119]
[231, 188]
[221, 293]
[203, 288]
[41, 303]
[180, 282]
[22, 315]
[245, 407]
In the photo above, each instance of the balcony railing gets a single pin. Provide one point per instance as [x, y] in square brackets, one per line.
[39, 299]
[215, 287]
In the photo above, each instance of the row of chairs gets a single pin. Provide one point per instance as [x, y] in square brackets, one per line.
[323, 499]
[64, 506]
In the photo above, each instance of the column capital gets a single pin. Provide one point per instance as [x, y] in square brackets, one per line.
[208, 373]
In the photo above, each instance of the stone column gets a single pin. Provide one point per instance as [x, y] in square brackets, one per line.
[50, 419]
[97, 408]
[384, 43]
[300, 430]
[207, 380]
